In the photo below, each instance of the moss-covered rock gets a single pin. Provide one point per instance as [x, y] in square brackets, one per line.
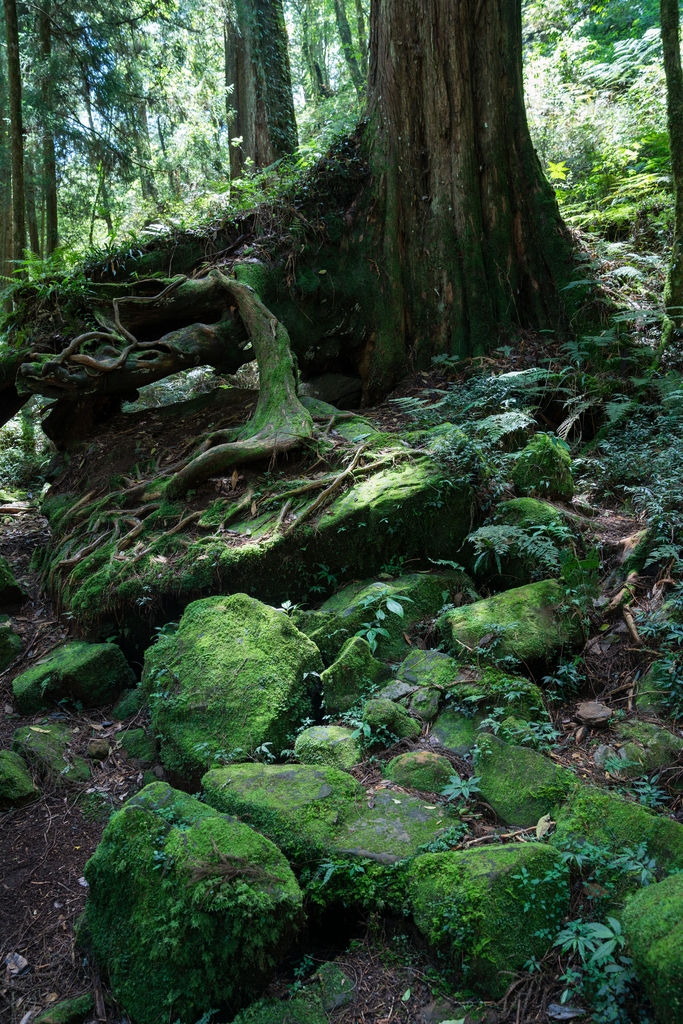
[129, 703]
[424, 702]
[70, 1011]
[653, 925]
[351, 675]
[648, 745]
[90, 673]
[186, 908]
[303, 1008]
[336, 987]
[314, 811]
[11, 594]
[540, 519]
[517, 732]
[428, 668]
[608, 819]
[486, 907]
[520, 784]
[48, 748]
[389, 721]
[16, 784]
[543, 469]
[526, 623]
[232, 678]
[138, 744]
[420, 769]
[10, 645]
[328, 745]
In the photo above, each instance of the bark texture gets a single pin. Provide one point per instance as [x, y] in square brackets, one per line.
[16, 132]
[49, 157]
[671, 44]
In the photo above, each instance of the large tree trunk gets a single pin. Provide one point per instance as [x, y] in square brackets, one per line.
[470, 238]
[16, 133]
[49, 158]
[257, 66]
[671, 43]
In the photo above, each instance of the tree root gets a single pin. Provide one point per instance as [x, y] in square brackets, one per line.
[320, 500]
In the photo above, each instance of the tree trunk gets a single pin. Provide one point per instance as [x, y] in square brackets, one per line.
[49, 158]
[673, 289]
[16, 134]
[362, 39]
[31, 215]
[5, 186]
[257, 66]
[347, 47]
[469, 238]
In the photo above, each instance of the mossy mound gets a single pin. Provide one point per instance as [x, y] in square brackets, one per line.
[229, 680]
[138, 744]
[312, 812]
[303, 1008]
[48, 748]
[389, 722]
[420, 769]
[648, 745]
[428, 668]
[541, 520]
[10, 645]
[129, 703]
[16, 784]
[543, 469]
[653, 924]
[526, 623]
[351, 675]
[11, 594]
[485, 907]
[70, 1011]
[608, 819]
[520, 784]
[92, 674]
[328, 744]
[186, 908]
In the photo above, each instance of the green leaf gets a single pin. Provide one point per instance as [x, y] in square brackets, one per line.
[406, 996]
[395, 607]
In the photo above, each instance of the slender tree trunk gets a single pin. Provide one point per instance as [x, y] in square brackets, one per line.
[49, 157]
[257, 66]
[362, 39]
[5, 186]
[347, 47]
[671, 43]
[31, 215]
[16, 133]
[101, 169]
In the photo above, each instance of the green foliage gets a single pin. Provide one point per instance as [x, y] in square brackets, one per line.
[380, 603]
[461, 790]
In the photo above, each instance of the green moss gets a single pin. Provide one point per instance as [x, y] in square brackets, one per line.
[301, 1009]
[229, 680]
[186, 908]
[16, 784]
[419, 769]
[531, 514]
[48, 748]
[608, 819]
[485, 907]
[653, 925]
[388, 719]
[71, 1011]
[520, 784]
[129, 703]
[90, 673]
[650, 746]
[351, 675]
[10, 645]
[425, 702]
[138, 744]
[429, 668]
[543, 469]
[526, 623]
[11, 593]
[328, 745]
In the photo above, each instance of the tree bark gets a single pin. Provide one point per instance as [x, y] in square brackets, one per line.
[16, 134]
[257, 66]
[347, 47]
[49, 157]
[5, 184]
[31, 215]
[362, 39]
[671, 44]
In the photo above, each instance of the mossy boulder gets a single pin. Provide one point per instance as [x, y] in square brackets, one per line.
[424, 702]
[231, 678]
[16, 784]
[351, 675]
[428, 668]
[608, 819]
[129, 703]
[70, 1011]
[520, 784]
[328, 744]
[541, 520]
[543, 469]
[526, 623]
[517, 732]
[485, 908]
[186, 908]
[48, 747]
[303, 1008]
[138, 744]
[311, 812]
[648, 745]
[337, 988]
[93, 674]
[420, 769]
[11, 594]
[388, 720]
[653, 925]
[10, 645]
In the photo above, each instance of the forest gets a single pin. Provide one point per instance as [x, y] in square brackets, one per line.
[341, 512]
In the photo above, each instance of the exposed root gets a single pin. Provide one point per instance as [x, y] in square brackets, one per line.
[320, 500]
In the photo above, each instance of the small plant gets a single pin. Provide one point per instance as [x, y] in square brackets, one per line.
[461, 790]
[649, 794]
[370, 631]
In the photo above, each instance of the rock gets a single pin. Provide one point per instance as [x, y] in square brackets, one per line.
[303, 1008]
[11, 594]
[313, 812]
[90, 673]
[425, 702]
[602, 753]
[593, 714]
[71, 1011]
[10, 645]
[473, 905]
[608, 819]
[397, 691]
[357, 603]
[389, 721]
[543, 469]
[525, 623]
[48, 748]
[520, 784]
[337, 987]
[335, 389]
[137, 744]
[16, 784]
[229, 680]
[129, 703]
[427, 668]
[540, 517]
[98, 750]
[653, 925]
[420, 769]
[182, 892]
[351, 675]
[517, 732]
[328, 745]
[648, 745]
